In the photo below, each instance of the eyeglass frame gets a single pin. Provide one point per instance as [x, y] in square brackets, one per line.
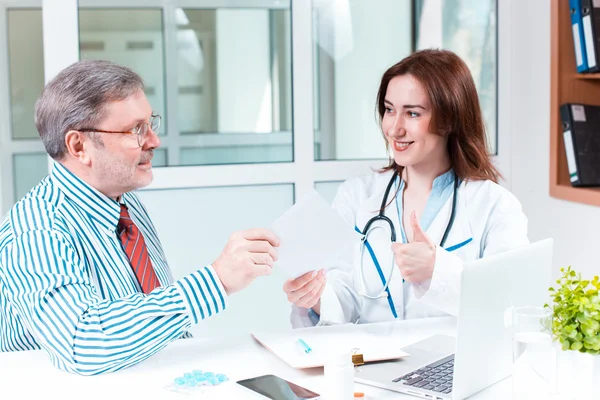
[138, 128]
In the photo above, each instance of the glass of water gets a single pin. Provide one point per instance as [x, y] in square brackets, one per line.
[534, 356]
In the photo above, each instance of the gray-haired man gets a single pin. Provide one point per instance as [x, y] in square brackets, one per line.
[82, 271]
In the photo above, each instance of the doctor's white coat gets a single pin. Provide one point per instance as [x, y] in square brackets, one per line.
[489, 220]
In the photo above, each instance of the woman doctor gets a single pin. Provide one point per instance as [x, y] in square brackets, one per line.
[443, 205]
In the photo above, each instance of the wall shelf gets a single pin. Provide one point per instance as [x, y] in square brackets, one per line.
[587, 76]
[567, 86]
[589, 196]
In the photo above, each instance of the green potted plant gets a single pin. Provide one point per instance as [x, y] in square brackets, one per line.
[576, 327]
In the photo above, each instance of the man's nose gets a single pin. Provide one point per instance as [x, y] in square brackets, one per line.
[152, 140]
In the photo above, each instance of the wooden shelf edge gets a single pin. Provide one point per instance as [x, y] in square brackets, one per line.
[589, 196]
[587, 76]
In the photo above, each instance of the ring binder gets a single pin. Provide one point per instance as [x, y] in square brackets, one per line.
[581, 135]
[578, 36]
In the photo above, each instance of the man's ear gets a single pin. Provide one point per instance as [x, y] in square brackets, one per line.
[77, 147]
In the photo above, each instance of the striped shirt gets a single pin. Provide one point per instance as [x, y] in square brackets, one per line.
[66, 285]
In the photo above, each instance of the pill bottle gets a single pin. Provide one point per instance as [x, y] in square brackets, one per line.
[339, 377]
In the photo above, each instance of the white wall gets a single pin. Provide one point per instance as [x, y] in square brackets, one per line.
[574, 227]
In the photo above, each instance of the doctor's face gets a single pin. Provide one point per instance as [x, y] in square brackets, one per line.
[406, 124]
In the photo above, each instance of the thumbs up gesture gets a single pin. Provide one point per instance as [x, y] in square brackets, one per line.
[416, 258]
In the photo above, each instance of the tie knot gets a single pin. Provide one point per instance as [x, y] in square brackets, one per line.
[124, 219]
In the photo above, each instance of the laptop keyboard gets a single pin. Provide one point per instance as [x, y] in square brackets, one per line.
[436, 376]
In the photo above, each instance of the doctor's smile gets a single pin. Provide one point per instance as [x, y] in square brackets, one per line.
[401, 146]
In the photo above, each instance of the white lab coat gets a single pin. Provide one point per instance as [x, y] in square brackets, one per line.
[486, 212]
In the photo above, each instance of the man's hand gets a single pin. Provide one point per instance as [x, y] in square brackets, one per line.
[306, 290]
[247, 255]
[415, 259]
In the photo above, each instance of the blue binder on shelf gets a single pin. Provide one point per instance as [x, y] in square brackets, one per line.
[578, 36]
[590, 22]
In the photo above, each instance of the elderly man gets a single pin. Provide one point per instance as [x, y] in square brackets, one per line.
[82, 271]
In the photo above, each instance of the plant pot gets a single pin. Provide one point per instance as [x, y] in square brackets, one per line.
[578, 375]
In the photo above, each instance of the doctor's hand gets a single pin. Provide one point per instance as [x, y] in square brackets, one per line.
[415, 259]
[247, 255]
[306, 290]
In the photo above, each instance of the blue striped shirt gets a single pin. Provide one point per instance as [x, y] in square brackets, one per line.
[66, 284]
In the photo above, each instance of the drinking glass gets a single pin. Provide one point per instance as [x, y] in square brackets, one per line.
[534, 356]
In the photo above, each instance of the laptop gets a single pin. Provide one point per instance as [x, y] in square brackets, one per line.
[443, 367]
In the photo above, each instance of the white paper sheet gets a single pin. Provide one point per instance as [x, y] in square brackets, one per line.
[312, 236]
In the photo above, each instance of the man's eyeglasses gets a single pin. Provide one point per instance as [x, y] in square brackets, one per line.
[140, 131]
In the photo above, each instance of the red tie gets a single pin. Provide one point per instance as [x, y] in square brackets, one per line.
[135, 247]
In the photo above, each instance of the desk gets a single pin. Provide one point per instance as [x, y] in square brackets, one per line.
[31, 375]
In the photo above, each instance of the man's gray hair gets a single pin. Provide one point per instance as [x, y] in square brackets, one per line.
[76, 99]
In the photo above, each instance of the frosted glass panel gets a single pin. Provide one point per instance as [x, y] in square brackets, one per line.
[194, 225]
[28, 171]
[328, 189]
[234, 96]
[355, 41]
[26, 62]
[234, 80]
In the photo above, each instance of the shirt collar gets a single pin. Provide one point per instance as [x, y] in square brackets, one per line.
[101, 208]
[440, 183]
[443, 181]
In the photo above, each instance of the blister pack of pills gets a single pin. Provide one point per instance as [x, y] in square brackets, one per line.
[195, 381]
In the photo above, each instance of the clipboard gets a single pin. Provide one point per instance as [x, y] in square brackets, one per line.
[324, 346]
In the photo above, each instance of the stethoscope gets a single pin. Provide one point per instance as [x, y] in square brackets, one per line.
[380, 217]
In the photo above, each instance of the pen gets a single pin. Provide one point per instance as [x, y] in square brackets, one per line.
[305, 346]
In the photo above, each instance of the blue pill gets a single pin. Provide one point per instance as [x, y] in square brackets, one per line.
[200, 378]
[209, 374]
[179, 381]
[213, 381]
[221, 377]
[191, 382]
[187, 375]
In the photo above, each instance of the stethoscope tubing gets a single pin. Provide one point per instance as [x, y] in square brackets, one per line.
[381, 217]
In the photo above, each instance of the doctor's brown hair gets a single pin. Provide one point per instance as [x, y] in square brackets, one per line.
[454, 106]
